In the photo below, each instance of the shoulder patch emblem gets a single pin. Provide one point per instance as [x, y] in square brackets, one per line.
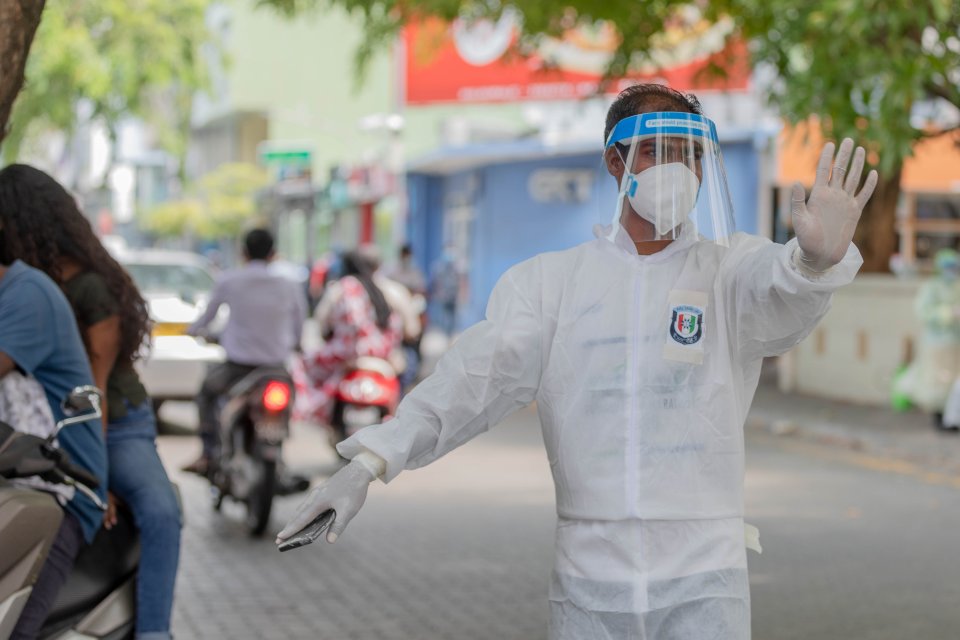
[686, 324]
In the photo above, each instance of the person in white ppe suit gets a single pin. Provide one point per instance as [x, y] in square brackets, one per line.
[642, 349]
[930, 379]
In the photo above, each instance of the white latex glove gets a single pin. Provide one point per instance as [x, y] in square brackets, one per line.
[825, 223]
[344, 492]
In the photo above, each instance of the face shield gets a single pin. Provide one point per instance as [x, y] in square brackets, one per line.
[672, 184]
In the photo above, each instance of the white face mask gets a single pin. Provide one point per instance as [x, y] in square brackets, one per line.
[664, 195]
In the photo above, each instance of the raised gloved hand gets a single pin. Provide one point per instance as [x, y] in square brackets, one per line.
[825, 223]
[344, 492]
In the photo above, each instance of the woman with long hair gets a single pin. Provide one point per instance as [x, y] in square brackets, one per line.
[355, 320]
[44, 228]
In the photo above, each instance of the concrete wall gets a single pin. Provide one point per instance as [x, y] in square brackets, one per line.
[869, 332]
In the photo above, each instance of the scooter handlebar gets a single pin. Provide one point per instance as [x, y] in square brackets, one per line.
[79, 474]
[67, 468]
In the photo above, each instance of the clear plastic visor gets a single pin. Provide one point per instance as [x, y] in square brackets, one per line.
[670, 180]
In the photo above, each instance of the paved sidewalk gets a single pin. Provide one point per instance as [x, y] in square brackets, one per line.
[907, 436]
[461, 550]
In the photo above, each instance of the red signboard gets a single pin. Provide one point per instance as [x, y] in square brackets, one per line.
[477, 62]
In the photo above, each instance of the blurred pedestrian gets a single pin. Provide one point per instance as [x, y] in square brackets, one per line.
[402, 301]
[929, 378]
[406, 272]
[445, 280]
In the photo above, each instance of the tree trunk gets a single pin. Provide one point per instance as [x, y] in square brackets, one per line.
[18, 24]
[876, 235]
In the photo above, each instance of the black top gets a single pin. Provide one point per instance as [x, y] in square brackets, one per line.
[92, 302]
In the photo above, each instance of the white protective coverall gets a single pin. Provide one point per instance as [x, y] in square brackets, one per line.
[644, 432]
[931, 376]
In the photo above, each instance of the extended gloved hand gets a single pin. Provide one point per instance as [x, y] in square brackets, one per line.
[344, 492]
[826, 222]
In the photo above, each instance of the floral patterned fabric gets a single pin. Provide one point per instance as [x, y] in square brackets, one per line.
[23, 405]
[355, 334]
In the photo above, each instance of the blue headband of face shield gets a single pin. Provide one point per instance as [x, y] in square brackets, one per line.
[657, 123]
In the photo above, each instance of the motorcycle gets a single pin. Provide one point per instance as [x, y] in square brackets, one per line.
[368, 394]
[254, 422]
[97, 601]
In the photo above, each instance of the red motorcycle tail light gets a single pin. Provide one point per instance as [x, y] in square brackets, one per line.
[276, 396]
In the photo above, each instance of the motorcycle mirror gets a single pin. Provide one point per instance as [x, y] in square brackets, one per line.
[83, 399]
[80, 405]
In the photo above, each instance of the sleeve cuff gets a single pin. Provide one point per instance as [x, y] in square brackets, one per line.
[810, 274]
[373, 463]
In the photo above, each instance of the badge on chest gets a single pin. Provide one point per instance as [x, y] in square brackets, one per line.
[686, 330]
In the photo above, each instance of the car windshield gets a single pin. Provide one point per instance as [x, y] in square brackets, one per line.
[170, 278]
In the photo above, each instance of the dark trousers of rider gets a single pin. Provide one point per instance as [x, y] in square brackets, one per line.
[59, 563]
[219, 379]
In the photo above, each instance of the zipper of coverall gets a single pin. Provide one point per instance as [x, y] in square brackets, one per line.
[633, 380]
[640, 594]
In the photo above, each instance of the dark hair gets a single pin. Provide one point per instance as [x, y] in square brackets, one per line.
[406, 250]
[258, 244]
[360, 267]
[646, 98]
[42, 224]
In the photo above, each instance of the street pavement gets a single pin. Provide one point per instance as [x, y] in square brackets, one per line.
[859, 539]
[908, 437]
[461, 550]
[852, 547]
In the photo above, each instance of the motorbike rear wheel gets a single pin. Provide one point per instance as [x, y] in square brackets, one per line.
[260, 500]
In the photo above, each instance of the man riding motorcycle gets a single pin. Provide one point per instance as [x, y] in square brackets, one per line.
[267, 313]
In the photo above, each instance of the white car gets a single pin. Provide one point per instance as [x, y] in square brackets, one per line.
[176, 286]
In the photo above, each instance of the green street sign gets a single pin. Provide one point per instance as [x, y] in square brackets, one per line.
[292, 157]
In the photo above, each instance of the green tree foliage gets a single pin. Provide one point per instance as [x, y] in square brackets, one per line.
[173, 218]
[124, 58]
[862, 67]
[218, 205]
[859, 66]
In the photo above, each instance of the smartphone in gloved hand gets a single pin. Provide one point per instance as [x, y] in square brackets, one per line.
[309, 533]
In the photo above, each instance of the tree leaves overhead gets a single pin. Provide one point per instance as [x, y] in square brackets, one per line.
[117, 56]
[863, 65]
